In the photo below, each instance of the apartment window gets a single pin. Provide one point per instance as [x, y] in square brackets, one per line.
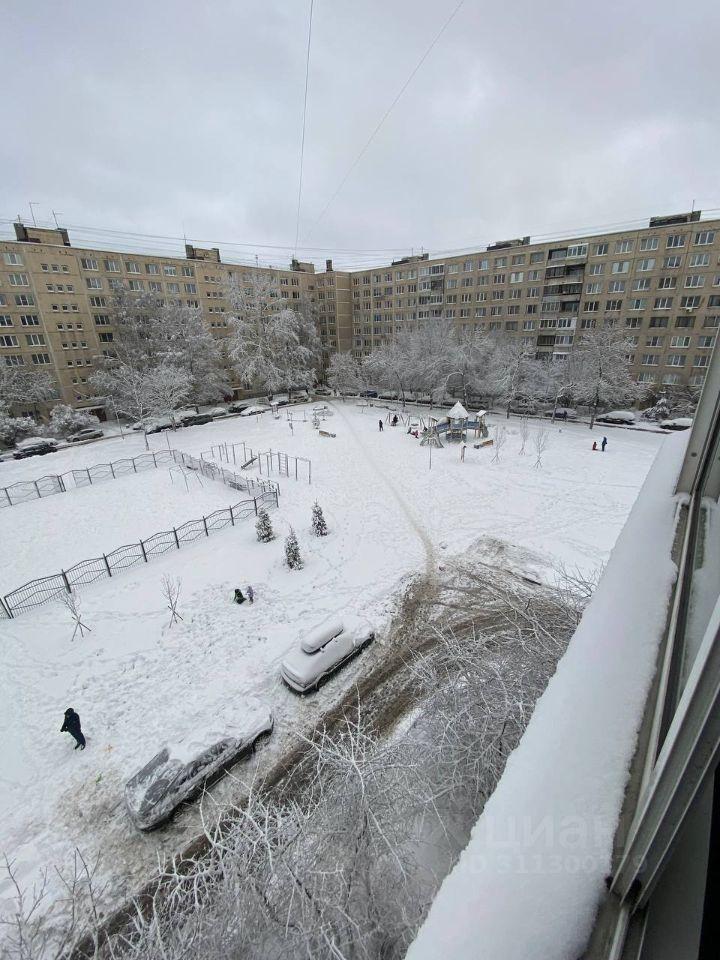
[704, 238]
[5, 320]
[101, 320]
[694, 280]
[699, 260]
[672, 263]
[190, 288]
[169, 270]
[19, 280]
[642, 283]
[531, 308]
[686, 323]
[35, 339]
[537, 257]
[112, 266]
[88, 263]
[532, 292]
[500, 262]
[675, 360]
[701, 361]
[595, 287]
[513, 310]
[132, 267]
[714, 300]
[709, 322]
[454, 268]
[632, 323]
[577, 250]
[498, 295]
[663, 303]
[587, 324]
[667, 283]
[621, 266]
[187, 272]
[600, 249]
[646, 378]
[483, 264]
[613, 305]
[39, 359]
[480, 311]
[616, 286]
[14, 360]
[623, 246]
[154, 286]
[639, 303]
[499, 278]
[680, 341]
[152, 268]
[496, 311]
[105, 337]
[530, 325]
[98, 302]
[690, 303]
[649, 243]
[8, 340]
[650, 359]
[671, 378]
[93, 283]
[646, 264]
[591, 306]
[24, 300]
[658, 322]
[115, 284]
[517, 277]
[675, 240]
[654, 341]
[705, 343]
[596, 269]
[13, 259]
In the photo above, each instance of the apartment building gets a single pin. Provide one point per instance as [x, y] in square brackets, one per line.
[55, 301]
[660, 284]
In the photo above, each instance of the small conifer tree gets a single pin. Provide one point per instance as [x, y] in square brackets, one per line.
[318, 521]
[263, 527]
[292, 552]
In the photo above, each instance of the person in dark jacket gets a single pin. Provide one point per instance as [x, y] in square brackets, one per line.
[238, 597]
[603, 444]
[380, 425]
[394, 420]
[71, 725]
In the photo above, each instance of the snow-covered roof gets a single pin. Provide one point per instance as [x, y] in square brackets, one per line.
[458, 412]
[481, 413]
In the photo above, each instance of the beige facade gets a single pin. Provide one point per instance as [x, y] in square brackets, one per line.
[54, 300]
[660, 284]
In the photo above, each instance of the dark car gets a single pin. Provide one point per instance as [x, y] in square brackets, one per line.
[239, 405]
[368, 393]
[180, 771]
[34, 447]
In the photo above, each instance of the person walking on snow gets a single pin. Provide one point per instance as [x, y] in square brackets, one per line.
[603, 444]
[238, 596]
[380, 425]
[71, 725]
[250, 593]
[463, 447]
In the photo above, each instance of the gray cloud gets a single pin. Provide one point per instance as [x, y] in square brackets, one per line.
[167, 117]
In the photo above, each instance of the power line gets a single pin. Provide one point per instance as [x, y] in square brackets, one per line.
[387, 113]
[302, 142]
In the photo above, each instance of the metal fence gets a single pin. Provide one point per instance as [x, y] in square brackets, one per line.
[43, 589]
[26, 490]
[266, 461]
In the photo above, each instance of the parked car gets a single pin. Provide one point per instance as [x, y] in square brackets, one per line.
[562, 413]
[154, 425]
[180, 770]
[34, 447]
[523, 406]
[217, 412]
[89, 433]
[237, 406]
[617, 416]
[323, 650]
[322, 392]
[196, 419]
[677, 423]
[368, 393]
[255, 408]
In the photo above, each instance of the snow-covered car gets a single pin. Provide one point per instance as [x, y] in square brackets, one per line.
[217, 412]
[237, 406]
[562, 413]
[196, 419]
[34, 447]
[617, 416]
[255, 408]
[322, 392]
[181, 770]
[677, 423]
[368, 393]
[89, 433]
[323, 650]
[154, 425]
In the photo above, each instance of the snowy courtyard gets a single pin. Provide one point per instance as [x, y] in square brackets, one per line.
[394, 508]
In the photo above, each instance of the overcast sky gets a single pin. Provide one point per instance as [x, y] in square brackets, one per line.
[168, 117]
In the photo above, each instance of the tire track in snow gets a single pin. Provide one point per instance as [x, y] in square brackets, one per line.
[420, 530]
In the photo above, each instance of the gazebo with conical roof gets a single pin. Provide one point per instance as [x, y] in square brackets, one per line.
[457, 422]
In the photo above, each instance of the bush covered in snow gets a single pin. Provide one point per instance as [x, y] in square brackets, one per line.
[13, 429]
[263, 527]
[319, 525]
[292, 552]
[65, 420]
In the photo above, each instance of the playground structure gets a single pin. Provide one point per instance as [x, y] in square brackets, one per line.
[456, 426]
[265, 461]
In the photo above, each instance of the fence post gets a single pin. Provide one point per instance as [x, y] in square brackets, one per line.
[154, 458]
[7, 494]
[112, 470]
[134, 465]
[142, 547]
[256, 507]
[6, 608]
[62, 484]
[205, 525]
[37, 489]
[177, 542]
[107, 566]
[88, 476]
[66, 581]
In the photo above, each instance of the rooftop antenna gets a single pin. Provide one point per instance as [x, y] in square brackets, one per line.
[55, 216]
[31, 204]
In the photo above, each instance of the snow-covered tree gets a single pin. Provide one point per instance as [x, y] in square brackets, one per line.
[191, 346]
[292, 551]
[512, 371]
[19, 386]
[263, 527]
[604, 356]
[273, 342]
[388, 367]
[13, 429]
[65, 420]
[319, 525]
[556, 379]
[660, 410]
[168, 387]
[345, 374]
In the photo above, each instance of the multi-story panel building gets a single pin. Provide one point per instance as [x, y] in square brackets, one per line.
[55, 300]
[660, 284]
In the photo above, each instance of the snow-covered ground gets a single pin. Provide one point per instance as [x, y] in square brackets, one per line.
[136, 682]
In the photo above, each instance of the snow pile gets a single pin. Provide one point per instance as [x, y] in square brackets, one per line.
[529, 882]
